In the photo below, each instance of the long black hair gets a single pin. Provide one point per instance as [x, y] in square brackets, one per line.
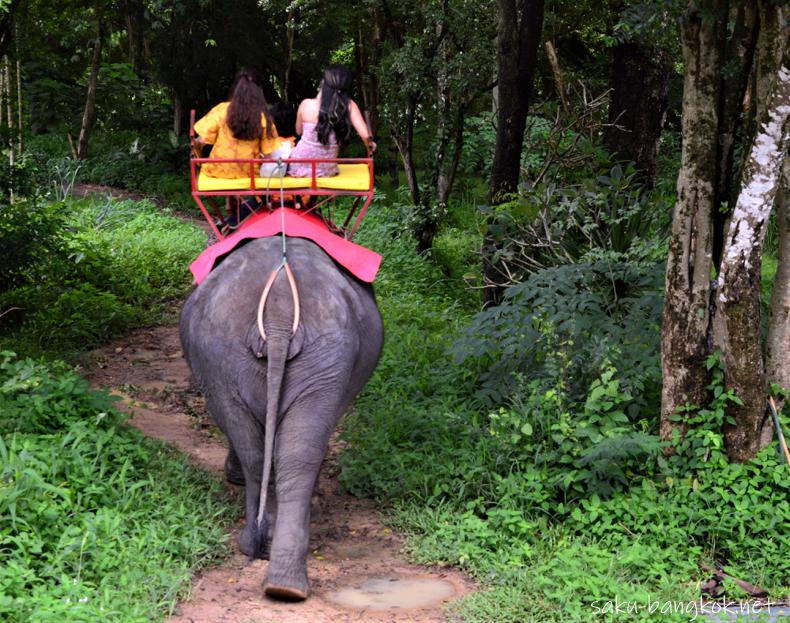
[333, 114]
[247, 104]
[284, 117]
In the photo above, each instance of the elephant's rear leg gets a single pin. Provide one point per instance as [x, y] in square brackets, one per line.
[234, 473]
[245, 435]
[302, 441]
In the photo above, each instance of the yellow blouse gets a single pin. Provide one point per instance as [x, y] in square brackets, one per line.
[214, 130]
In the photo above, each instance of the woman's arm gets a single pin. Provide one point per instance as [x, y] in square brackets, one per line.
[358, 121]
[300, 117]
[207, 128]
[197, 146]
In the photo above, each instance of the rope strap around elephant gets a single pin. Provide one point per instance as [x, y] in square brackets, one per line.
[283, 265]
[265, 295]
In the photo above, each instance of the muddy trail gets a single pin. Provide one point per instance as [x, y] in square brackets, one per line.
[354, 565]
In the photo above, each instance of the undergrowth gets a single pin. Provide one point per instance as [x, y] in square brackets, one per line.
[91, 269]
[153, 164]
[553, 491]
[97, 522]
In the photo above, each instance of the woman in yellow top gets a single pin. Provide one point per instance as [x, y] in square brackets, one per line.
[241, 128]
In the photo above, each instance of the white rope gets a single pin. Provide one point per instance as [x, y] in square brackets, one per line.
[283, 265]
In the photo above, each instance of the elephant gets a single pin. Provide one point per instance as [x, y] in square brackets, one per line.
[278, 399]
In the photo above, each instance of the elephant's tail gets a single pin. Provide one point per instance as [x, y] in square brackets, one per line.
[277, 352]
[277, 347]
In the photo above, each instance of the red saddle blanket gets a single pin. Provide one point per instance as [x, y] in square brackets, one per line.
[359, 261]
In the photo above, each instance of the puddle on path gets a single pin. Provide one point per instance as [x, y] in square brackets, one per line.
[393, 592]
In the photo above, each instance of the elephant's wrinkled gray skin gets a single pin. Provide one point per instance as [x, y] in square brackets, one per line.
[329, 359]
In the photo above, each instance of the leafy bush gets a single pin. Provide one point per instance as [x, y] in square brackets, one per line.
[17, 180]
[87, 532]
[136, 251]
[566, 324]
[42, 399]
[82, 315]
[153, 163]
[550, 224]
[480, 140]
[29, 235]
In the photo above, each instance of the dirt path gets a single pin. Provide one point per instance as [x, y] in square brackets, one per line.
[355, 569]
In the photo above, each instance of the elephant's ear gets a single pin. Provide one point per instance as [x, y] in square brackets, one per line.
[258, 345]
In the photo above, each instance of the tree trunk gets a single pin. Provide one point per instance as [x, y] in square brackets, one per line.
[405, 147]
[392, 164]
[135, 33]
[684, 334]
[7, 24]
[559, 81]
[367, 54]
[767, 58]
[90, 100]
[446, 178]
[737, 325]
[367, 58]
[9, 109]
[638, 104]
[517, 51]
[739, 59]
[20, 125]
[178, 113]
[289, 51]
[777, 350]
[434, 200]
[2, 94]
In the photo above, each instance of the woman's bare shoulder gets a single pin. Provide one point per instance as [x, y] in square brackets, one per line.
[309, 108]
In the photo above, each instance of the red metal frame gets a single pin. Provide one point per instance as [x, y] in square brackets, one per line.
[273, 191]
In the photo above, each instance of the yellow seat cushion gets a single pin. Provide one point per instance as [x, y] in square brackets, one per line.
[350, 177]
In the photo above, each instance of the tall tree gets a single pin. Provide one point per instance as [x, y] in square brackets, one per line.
[777, 354]
[697, 317]
[89, 114]
[405, 70]
[737, 326]
[518, 37]
[368, 46]
[684, 339]
[7, 12]
[462, 69]
[639, 97]
[738, 61]
[436, 64]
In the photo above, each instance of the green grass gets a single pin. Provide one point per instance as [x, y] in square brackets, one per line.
[112, 266]
[469, 493]
[97, 523]
[769, 266]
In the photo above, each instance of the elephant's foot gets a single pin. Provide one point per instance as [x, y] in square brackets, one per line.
[233, 472]
[286, 583]
[286, 593]
[248, 544]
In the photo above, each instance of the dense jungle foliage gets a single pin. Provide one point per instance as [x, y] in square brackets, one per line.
[515, 435]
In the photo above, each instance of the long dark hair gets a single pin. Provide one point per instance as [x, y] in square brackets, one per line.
[284, 117]
[333, 115]
[247, 104]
